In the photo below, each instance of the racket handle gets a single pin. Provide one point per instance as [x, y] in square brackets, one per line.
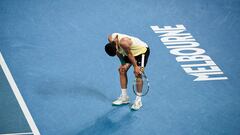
[143, 59]
[142, 62]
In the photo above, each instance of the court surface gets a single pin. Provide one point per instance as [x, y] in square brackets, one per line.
[57, 80]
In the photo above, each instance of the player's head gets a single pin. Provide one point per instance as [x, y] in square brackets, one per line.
[110, 49]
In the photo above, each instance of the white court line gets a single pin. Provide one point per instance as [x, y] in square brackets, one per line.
[18, 96]
[27, 133]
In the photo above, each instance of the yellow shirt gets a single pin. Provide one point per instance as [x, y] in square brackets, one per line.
[138, 46]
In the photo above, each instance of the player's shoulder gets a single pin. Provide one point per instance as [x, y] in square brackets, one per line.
[125, 39]
[125, 42]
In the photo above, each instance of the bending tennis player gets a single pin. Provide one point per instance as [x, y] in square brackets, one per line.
[129, 51]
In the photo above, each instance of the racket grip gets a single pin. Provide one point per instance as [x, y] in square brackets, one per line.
[143, 59]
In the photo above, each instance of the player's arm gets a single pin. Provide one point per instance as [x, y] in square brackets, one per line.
[110, 39]
[126, 43]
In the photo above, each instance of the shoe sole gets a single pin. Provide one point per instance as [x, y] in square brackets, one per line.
[124, 103]
[136, 109]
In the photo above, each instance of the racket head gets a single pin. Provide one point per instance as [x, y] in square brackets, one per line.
[137, 85]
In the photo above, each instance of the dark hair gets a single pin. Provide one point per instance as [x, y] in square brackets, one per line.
[110, 49]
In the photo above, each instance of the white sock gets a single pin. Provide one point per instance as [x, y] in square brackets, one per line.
[138, 98]
[139, 93]
[124, 92]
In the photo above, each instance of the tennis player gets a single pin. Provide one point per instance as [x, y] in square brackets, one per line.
[129, 50]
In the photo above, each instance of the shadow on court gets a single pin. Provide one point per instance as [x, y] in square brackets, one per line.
[116, 119]
[74, 91]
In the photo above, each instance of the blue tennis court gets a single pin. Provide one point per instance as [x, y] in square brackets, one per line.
[56, 79]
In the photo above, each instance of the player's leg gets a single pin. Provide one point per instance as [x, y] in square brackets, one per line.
[139, 84]
[123, 98]
[142, 62]
[123, 75]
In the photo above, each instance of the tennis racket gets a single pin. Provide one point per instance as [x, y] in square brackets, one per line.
[141, 84]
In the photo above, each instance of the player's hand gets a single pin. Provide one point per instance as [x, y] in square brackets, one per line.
[137, 71]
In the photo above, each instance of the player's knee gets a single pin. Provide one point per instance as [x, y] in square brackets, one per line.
[138, 76]
[122, 70]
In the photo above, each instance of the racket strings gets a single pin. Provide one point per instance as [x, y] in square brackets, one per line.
[141, 86]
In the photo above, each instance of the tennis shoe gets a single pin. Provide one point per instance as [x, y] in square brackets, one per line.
[121, 100]
[136, 105]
